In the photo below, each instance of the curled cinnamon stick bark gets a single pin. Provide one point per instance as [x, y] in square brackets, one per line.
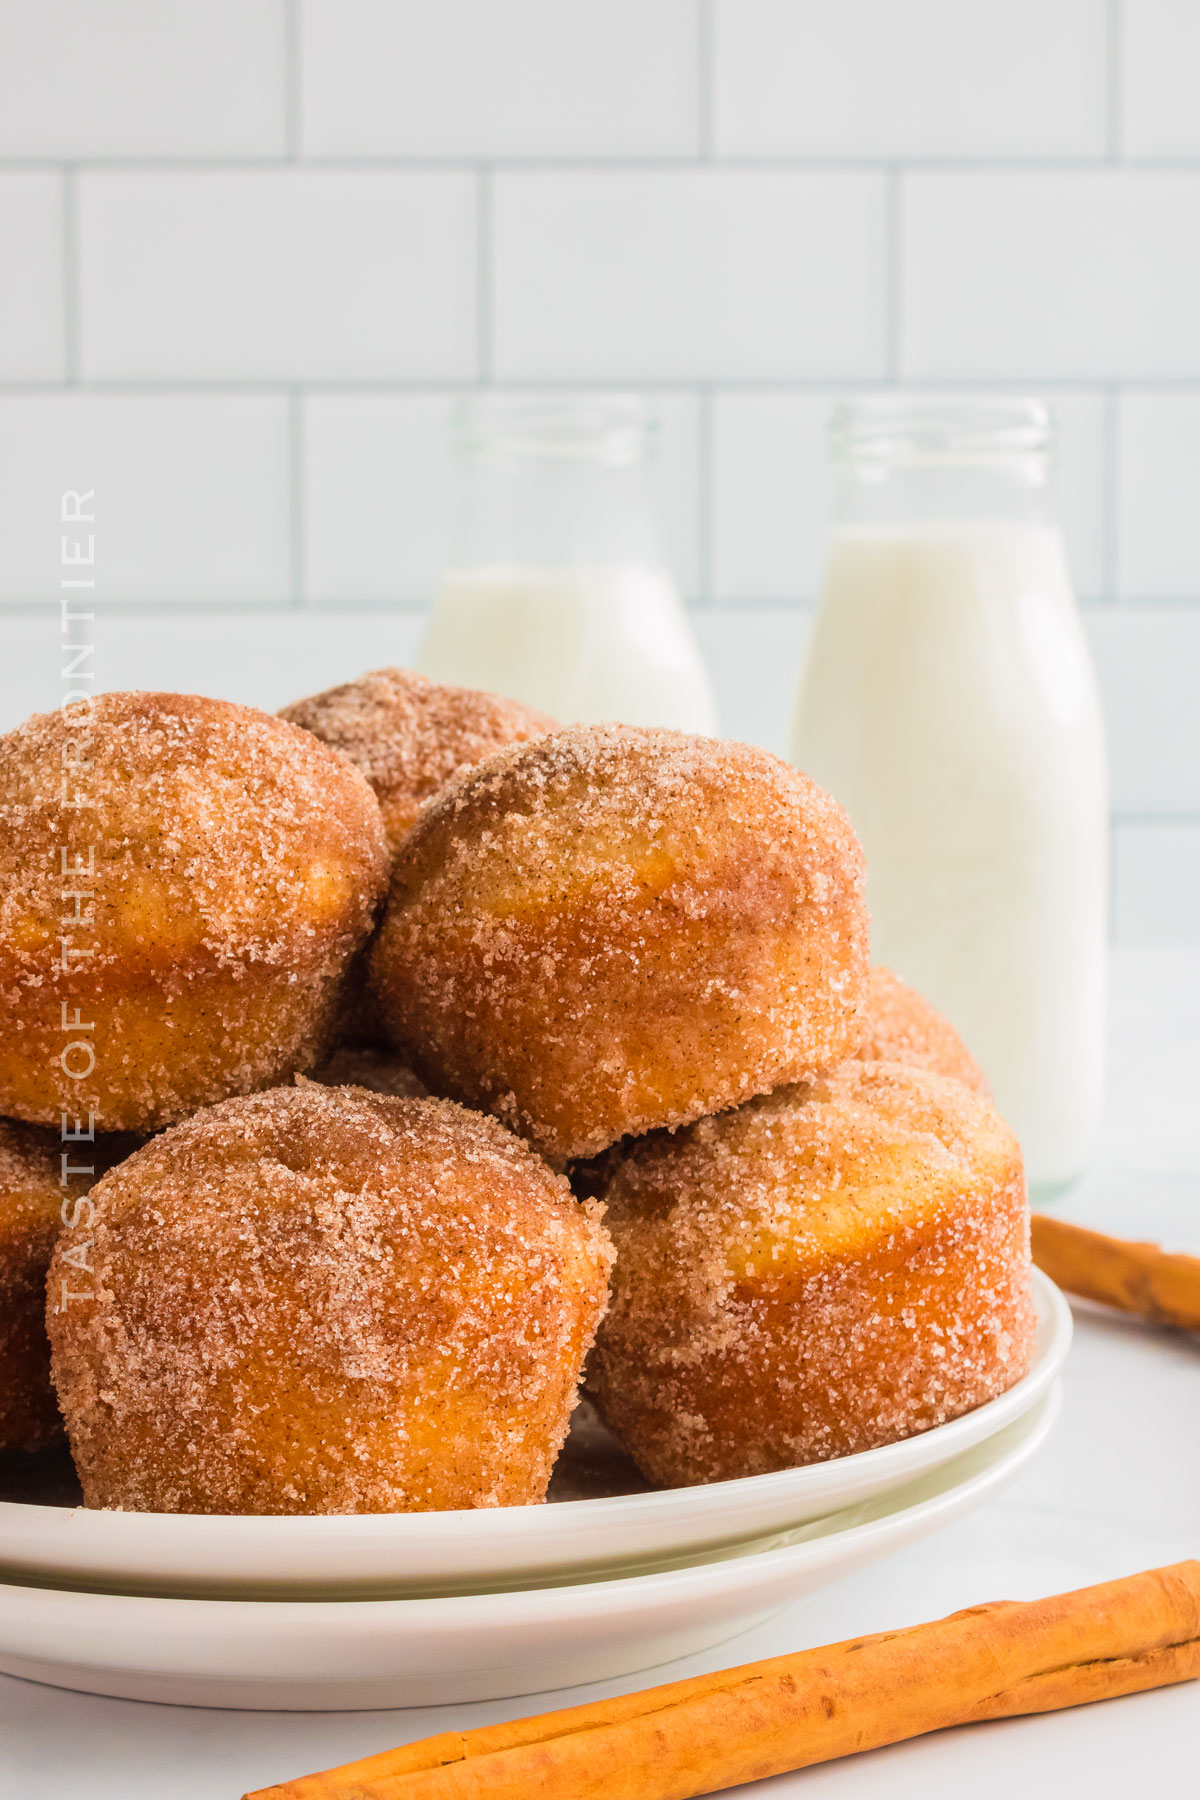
[1138, 1278]
[697, 1737]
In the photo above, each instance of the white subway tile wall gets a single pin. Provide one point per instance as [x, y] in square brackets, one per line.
[135, 78]
[685, 274]
[517, 78]
[255, 251]
[1158, 528]
[909, 78]
[1160, 56]
[192, 494]
[276, 275]
[1156, 881]
[1148, 658]
[32, 299]
[1085, 275]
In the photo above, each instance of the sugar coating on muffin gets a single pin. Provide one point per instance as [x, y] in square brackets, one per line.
[43, 1181]
[409, 735]
[614, 929]
[185, 881]
[900, 1025]
[836, 1266]
[327, 1300]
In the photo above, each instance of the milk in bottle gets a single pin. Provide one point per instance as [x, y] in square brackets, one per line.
[948, 701]
[557, 592]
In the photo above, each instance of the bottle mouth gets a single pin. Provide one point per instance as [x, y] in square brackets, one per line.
[936, 429]
[617, 430]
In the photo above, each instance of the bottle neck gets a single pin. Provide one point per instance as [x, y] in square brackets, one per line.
[528, 511]
[908, 459]
[905, 494]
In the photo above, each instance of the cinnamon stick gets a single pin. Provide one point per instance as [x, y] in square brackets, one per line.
[1138, 1278]
[716, 1731]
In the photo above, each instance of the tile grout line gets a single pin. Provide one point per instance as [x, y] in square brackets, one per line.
[628, 163]
[297, 544]
[70, 277]
[1111, 491]
[704, 80]
[705, 487]
[893, 228]
[291, 81]
[738, 607]
[484, 286]
[786, 385]
[1114, 36]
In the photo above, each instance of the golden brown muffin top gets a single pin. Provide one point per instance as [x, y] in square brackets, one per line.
[900, 1025]
[32, 1190]
[831, 1267]
[595, 798]
[819, 1171]
[615, 927]
[30, 1195]
[409, 735]
[214, 828]
[331, 1233]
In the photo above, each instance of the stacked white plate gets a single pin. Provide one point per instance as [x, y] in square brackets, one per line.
[353, 1611]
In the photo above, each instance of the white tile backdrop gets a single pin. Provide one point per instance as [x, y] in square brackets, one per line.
[251, 250]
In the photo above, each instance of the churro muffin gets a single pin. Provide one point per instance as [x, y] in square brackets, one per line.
[183, 883]
[409, 736]
[614, 929]
[43, 1183]
[900, 1025]
[838, 1265]
[325, 1300]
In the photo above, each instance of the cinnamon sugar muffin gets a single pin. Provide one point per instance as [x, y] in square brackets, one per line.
[409, 735]
[185, 881]
[325, 1300]
[900, 1025]
[838, 1265]
[35, 1203]
[613, 929]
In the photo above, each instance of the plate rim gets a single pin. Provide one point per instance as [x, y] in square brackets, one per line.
[972, 1428]
[456, 1612]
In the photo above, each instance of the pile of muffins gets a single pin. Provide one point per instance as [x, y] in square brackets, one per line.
[376, 1075]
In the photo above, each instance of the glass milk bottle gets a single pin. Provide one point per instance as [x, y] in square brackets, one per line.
[557, 592]
[949, 702]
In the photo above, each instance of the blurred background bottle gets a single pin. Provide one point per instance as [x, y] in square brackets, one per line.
[557, 592]
[949, 702]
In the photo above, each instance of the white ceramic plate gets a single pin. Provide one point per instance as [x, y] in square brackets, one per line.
[391, 1554]
[352, 1654]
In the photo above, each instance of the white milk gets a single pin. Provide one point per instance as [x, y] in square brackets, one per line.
[949, 703]
[581, 644]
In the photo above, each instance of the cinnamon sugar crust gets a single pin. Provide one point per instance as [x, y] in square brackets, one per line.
[614, 929]
[409, 735]
[212, 869]
[327, 1300]
[32, 1198]
[900, 1025]
[838, 1265]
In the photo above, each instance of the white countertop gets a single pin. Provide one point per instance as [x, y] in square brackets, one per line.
[1117, 1489]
